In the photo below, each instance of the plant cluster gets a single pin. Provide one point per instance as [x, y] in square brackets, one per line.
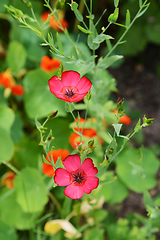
[55, 91]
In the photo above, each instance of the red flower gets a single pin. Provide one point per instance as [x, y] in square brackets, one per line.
[48, 169]
[70, 88]
[8, 179]
[79, 178]
[53, 21]
[48, 64]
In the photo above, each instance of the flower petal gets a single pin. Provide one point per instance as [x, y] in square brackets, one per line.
[90, 184]
[84, 85]
[48, 169]
[88, 167]
[72, 163]
[70, 78]
[74, 192]
[55, 85]
[61, 177]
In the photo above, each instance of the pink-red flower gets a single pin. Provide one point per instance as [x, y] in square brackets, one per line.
[78, 178]
[56, 153]
[48, 64]
[70, 88]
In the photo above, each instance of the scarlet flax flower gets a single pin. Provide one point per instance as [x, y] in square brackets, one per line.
[70, 88]
[56, 153]
[48, 64]
[78, 178]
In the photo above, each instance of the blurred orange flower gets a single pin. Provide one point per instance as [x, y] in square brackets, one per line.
[88, 133]
[8, 179]
[9, 82]
[48, 169]
[53, 21]
[48, 64]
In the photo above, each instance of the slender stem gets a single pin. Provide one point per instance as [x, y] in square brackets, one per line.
[54, 200]
[10, 166]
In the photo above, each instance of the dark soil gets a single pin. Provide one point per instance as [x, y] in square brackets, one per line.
[139, 84]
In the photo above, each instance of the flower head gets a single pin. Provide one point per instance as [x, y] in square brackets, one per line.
[48, 169]
[48, 64]
[70, 88]
[79, 178]
[53, 21]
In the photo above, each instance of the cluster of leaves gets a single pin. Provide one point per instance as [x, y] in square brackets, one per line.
[33, 201]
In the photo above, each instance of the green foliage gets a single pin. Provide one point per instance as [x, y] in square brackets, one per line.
[29, 187]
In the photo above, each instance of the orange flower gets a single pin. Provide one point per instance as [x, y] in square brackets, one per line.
[17, 90]
[8, 179]
[88, 133]
[48, 169]
[8, 81]
[124, 119]
[53, 21]
[48, 64]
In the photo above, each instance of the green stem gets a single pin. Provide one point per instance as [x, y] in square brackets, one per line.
[54, 200]
[10, 166]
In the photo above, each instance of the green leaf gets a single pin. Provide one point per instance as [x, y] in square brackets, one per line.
[7, 233]
[78, 14]
[23, 157]
[136, 173]
[92, 36]
[16, 57]
[39, 101]
[117, 128]
[102, 37]
[138, 126]
[84, 30]
[114, 16]
[50, 39]
[60, 47]
[13, 215]
[140, 3]
[31, 193]
[116, 2]
[108, 61]
[128, 18]
[6, 121]
[144, 10]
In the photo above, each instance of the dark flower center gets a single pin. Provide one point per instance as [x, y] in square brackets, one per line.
[78, 177]
[69, 92]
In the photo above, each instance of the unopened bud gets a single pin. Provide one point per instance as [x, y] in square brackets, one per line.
[90, 143]
[89, 95]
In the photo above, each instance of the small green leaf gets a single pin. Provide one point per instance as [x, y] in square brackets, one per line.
[102, 37]
[77, 13]
[140, 3]
[117, 128]
[7, 232]
[142, 12]
[116, 2]
[114, 16]
[138, 126]
[60, 47]
[50, 39]
[108, 61]
[128, 18]
[83, 29]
